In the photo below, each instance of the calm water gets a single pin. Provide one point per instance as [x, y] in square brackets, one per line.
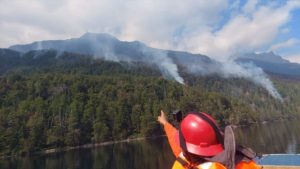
[278, 137]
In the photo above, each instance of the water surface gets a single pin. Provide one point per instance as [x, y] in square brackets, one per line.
[277, 137]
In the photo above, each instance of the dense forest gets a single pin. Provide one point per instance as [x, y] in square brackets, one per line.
[49, 101]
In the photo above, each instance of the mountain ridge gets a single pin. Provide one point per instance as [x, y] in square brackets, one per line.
[106, 46]
[52, 100]
[272, 63]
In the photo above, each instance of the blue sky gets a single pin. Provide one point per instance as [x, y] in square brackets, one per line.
[217, 28]
[293, 28]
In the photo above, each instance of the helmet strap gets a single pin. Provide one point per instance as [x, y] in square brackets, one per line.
[183, 145]
[182, 140]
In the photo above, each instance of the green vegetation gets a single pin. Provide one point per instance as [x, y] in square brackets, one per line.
[48, 102]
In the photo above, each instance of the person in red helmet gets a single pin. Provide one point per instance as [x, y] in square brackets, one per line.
[199, 144]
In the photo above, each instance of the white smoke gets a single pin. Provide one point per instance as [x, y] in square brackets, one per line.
[217, 28]
[251, 72]
[59, 53]
[231, 69]
[150, 56]
[171, 69]
[39, 45]
[162, 60]
[111, 49]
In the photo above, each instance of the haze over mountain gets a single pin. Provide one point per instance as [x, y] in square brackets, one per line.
[272, 63]
[102, 45]
[73, 99]
[110, 48]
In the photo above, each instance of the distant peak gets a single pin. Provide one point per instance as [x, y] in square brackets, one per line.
[268, 56]
[271, 52]
[89, 35]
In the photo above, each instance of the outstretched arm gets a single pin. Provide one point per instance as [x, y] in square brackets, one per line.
[171, 133]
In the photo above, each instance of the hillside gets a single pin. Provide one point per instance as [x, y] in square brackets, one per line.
[110, 48]
[272, 63]
[49, 100]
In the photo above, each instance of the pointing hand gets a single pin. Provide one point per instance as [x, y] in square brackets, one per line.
[162, 118]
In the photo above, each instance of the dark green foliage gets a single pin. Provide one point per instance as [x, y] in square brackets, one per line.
[48, 102]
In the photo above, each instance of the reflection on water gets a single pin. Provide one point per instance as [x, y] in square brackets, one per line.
[279, 137]
[147, 154]
[276, 137]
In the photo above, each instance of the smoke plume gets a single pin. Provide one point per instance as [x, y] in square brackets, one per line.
[250, 72]
[110, 48]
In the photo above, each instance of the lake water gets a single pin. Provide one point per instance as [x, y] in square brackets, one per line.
[277, 137]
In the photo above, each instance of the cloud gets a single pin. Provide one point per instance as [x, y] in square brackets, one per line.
[153, 22]
[243, 32]
[217, 28]
[192, 25]
[286, 44]
[293, 58]
[250, 6]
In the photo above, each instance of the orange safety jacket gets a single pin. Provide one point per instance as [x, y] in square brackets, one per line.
[183, 163]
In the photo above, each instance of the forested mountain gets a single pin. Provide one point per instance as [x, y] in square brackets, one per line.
[110, 48]
[51, 99]
[106, 46]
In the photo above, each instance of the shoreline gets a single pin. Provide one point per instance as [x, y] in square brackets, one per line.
[68, 148]
[106, 143]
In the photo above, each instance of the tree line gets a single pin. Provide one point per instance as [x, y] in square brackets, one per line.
[71, 101]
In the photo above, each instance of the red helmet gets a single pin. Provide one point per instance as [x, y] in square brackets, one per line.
[200, 135]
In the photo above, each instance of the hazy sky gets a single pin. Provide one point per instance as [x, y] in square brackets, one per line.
[218, 28]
